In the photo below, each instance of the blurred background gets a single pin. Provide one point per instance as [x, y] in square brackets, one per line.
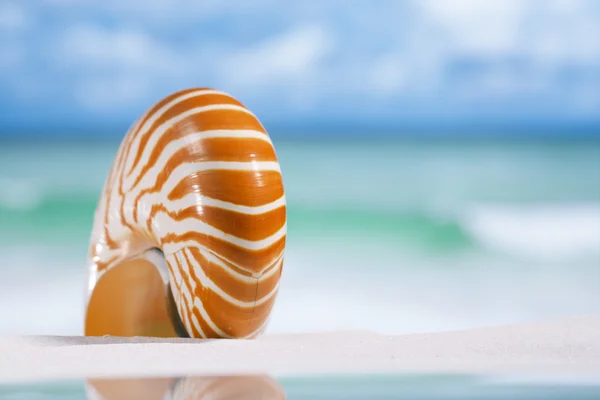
[441, 158]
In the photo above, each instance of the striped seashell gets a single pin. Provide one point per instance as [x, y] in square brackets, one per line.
[190, 230]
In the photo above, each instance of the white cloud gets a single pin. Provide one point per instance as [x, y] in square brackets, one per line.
[483, 27]
[566, 33]
[388, 75]
[98, 93]
[130, 49]
[544, 35]
[13, 21]
[12, 17]
[553, 31]
[293, 55]
[120, 67]
[327, 54]
[167, 12]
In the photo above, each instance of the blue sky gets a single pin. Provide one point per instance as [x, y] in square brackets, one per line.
[90, 68]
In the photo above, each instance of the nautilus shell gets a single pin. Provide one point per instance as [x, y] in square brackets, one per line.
[190, 230]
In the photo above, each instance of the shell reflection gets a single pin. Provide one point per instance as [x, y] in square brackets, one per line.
[189, 388]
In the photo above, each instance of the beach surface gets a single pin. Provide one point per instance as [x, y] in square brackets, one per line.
[565, 347]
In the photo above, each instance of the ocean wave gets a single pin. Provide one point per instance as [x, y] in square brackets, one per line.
[540, 231]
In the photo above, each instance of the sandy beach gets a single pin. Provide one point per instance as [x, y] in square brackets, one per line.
[565, 347]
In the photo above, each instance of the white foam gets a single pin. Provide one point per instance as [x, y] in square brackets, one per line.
[548, 232]
[20, 195]
[43, 303]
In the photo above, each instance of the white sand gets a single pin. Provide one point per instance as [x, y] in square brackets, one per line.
[567, 346]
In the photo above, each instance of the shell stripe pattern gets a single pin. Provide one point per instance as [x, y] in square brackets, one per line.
[197, 177]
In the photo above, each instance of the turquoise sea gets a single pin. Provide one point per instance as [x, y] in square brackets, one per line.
[347, 387]
[394, 237]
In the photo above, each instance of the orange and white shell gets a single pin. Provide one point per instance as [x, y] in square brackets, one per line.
[196, 191]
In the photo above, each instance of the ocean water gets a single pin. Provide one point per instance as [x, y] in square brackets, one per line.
[347, 387]
[394, 237]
